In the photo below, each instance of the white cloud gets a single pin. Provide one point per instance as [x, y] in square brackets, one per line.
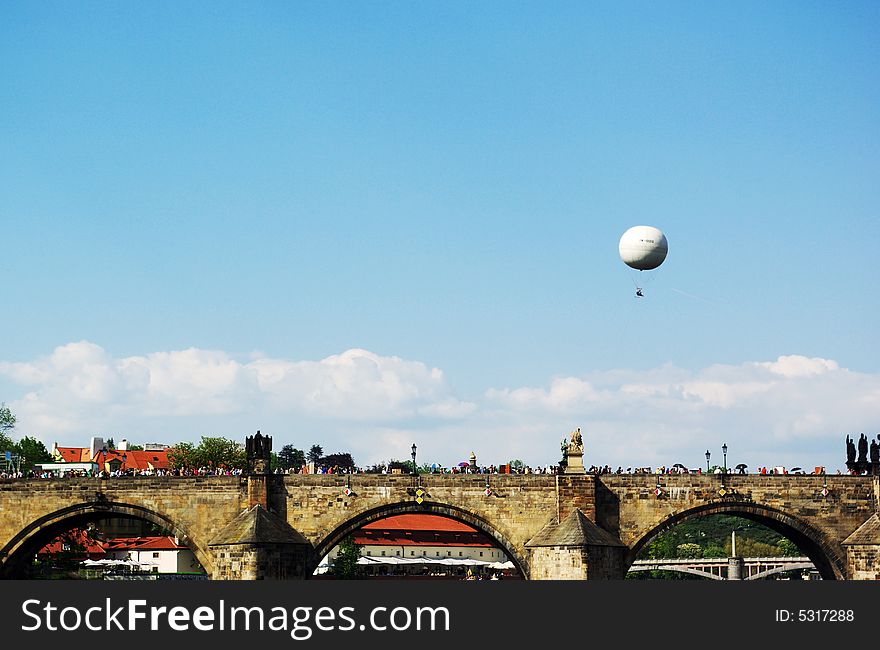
[81, 388]
[797, 366]
[792, 410]
[358, 385]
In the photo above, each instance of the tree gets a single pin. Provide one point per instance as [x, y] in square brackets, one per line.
[291, 458]
[405, 466]
[221, 452]
[315, 453]
[343, 460]
[183, 456]
[788, 547]
[7, 418]
[688, 549]
[7, 424]
[345, 565]
[211, 452]
[110, 444]
[31, 451]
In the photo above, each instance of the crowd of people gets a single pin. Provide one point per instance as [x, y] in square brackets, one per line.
[383, 469]
[466, 469]
[120, 473]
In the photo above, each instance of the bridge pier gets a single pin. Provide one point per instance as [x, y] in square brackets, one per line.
[863, 551]
[735, 566]
[259, 545]
[576, 549]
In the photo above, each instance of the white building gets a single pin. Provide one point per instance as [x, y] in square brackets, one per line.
[154, 554]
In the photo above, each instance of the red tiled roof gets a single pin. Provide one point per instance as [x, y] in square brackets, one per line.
[163, 543]
[421, 538]
[74, 454]
[133, 459]
[420, 522]
[421, 530]
[94, 548]
[128, 459]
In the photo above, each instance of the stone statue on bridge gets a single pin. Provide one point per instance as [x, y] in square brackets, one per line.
[259, 452]
[862, 464]
[875, 457]
[863, 448]
[850, 451]
[577, 441]
[573, 452]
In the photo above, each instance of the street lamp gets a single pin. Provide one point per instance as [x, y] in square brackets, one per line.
[415, 470]
[708, 456]
[724, 451]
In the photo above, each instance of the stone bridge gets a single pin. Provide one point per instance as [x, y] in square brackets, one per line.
[574, 526]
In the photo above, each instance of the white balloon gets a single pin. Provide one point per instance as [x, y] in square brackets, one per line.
[643, 248]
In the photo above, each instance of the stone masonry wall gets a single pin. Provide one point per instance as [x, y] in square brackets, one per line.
[514, 511]
[197, 507]
[628, 505]
[864, 562]
[559, 563]
[259, 562]
[517, 508]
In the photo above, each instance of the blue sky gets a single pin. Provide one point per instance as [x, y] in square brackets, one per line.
[371, 224]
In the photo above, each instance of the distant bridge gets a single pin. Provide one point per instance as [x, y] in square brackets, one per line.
[748, 568]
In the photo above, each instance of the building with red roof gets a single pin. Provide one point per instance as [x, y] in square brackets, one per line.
[76, 544]
[154, 554]
[163, 554]
[111, 460]
[409, 538]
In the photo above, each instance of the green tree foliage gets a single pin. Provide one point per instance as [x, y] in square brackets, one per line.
[713, 550]
[315, 453]
[182, 456]
[689, 550]
[7, 418]
[343, 460]
[788, 548]
[7, 424]
[31, 451]
[211, 452]
[345, 566]
[712, 534]
[28, 449]
[291, 458]
[405, 466]
[221, 453]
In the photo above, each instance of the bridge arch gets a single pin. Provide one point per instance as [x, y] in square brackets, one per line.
[323, 547]
[826, 556]
[23, 546]
[679, 569]
[781, 569]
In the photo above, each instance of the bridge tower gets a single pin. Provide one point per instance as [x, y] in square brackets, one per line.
[259, 544]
